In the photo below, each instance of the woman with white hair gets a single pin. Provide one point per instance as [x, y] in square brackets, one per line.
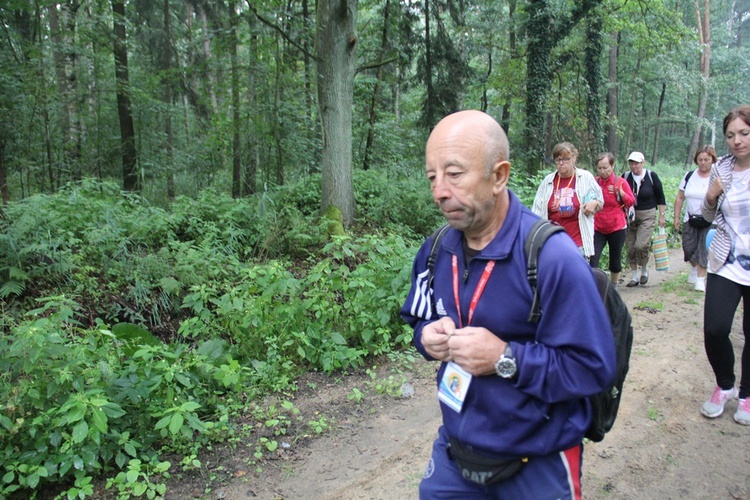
[649, 197]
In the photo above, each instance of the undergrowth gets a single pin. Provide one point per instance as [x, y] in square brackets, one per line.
[132, 333]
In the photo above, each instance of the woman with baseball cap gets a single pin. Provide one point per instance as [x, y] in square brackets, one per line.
[649, 196]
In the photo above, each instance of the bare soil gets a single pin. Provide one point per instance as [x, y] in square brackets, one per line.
[377, 448]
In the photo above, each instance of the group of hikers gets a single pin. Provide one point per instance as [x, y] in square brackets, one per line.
[515, 394]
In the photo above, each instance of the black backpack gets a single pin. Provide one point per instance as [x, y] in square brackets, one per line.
[606, 403]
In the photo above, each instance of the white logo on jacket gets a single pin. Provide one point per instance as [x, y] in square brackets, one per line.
[440, 309]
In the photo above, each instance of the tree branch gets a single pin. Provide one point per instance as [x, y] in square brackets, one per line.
[375, 64]
[280, 31]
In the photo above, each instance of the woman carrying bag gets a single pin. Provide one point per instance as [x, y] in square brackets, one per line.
[693, 226]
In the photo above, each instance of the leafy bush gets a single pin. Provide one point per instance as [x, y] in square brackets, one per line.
[242, 294]
[74, 403]
[344, 308]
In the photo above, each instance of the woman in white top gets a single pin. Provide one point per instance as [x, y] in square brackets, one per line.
[570, 196]
[692, 190]
[727, 204]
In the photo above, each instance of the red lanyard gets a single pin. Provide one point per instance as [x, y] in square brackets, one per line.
[477, 293]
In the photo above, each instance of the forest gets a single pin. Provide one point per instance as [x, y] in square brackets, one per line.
[202, 199]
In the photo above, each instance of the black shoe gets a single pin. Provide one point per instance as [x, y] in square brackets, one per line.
[644, 279]
[632, 283]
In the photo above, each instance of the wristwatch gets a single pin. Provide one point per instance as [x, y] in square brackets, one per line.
[506, 366]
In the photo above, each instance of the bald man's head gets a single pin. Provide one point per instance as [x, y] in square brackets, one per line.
[471, 123]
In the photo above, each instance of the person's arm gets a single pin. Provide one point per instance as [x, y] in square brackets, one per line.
[417, 309]
[679, 199]
[711, 201]
[661, 201]
[541, 200]
[570, 358]
[594, 198]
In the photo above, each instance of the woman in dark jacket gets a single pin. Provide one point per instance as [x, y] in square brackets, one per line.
[649, 196]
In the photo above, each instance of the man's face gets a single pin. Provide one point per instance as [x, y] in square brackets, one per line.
[460, 188]
[636, 167]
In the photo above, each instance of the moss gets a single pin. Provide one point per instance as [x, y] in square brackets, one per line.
[332, 222]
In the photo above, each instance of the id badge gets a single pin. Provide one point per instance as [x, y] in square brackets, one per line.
[453, 386]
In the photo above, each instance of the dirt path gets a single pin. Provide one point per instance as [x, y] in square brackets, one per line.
[661, 447]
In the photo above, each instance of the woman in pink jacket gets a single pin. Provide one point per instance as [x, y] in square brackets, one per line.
[610, 224]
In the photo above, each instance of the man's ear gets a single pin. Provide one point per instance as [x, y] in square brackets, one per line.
[500, 175]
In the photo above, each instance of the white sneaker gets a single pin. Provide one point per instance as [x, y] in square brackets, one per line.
[715, 406]
[693, 275]
[700, 284]
[743, 412]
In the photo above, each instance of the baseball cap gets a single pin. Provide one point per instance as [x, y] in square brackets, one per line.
[636, 156]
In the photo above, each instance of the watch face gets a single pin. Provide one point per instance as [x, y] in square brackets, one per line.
[505, 367]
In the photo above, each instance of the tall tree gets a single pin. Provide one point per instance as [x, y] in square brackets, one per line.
[592, 57]
[376, 90]
[336, 37]
[235, 90]
[612, 93]
[704, 33]
[545, 30]
[62, 32]
[167, 82]
[130, 179]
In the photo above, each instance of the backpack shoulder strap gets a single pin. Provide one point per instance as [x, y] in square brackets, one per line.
[688, 176]
[540, 231]
[616, 186]
[437, 237]
[602, 282]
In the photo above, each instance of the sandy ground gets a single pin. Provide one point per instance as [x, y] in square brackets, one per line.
[661, 447]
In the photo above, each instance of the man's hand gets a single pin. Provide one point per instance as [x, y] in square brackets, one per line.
[475, 349]
[435, 337]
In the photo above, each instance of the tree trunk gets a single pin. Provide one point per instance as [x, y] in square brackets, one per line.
[545, 30]
[4, 193]
[253, 157]
[337, 43]
[429, 120]
[236, 123]
[62, 35]
[309, 104]
[612, 95]
[636, 74]
[657, 126]
[167, 82]
[704, 32]
[505, 114]
[376, 90]
[211, 81]
[537, 80]
[593, 77]
[130, 181]
[276, 127]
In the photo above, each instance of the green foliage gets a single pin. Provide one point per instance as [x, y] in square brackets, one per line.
[343, 309]
[139, 479]
[75, 405]
[258, 296]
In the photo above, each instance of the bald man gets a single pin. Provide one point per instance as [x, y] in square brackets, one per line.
[513, 394]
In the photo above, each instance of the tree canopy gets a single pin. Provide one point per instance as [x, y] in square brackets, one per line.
[174, 96]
